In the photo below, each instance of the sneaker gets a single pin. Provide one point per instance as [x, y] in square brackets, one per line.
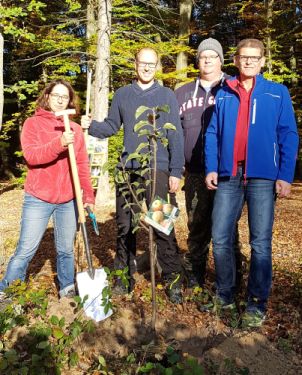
[227, 312]
[4, 301]
[3, 296]
[252, 319]
[70, 294]
[216, 305]
[173, 287]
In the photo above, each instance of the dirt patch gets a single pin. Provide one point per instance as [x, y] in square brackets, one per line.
[251, 351]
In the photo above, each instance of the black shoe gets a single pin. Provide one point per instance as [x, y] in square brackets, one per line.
[173, 287]
[191, 280]
[119, 288]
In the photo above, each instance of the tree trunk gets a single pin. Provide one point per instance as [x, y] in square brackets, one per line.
[269, 17]
[157, 39]
[101, 86]
[185, 10]
[1, 80]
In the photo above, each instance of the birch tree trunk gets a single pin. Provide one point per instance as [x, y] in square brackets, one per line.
[101, 85]
[1, 80]
[185, 10]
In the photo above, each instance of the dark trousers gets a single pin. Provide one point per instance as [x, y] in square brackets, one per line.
[168, 254]
[199, 206]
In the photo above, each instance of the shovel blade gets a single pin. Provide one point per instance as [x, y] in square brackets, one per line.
[93, 288]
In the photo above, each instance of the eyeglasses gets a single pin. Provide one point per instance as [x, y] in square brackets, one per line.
[210, 58]
[253, 59]
[64, 98]
[142, 64]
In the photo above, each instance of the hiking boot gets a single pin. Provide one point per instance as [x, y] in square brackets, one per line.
[173, 287]
[252, 319]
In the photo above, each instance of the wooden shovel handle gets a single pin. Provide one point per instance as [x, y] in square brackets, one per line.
[75, 174]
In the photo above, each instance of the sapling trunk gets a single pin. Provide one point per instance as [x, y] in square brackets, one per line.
[152, 245]
[152, 248]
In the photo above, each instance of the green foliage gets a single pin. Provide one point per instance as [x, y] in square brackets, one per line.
[169, 363]
[102, 366]
[46, 40]
[133, 183]
[175, 365]
[112, 275]
[49, 344]
[147, 297]
[115, 146]
[285, 344]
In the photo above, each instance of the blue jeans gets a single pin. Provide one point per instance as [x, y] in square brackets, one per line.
[199, 206]
[35, 217]
[232, 193]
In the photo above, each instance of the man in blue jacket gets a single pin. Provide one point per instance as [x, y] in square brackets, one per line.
[251, 148]
[145, 91]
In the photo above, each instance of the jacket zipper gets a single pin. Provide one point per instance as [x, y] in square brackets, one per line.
[248, 129]
[254, 111]
[275, 152]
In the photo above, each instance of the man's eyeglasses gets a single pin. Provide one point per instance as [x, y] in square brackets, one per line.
[65, 98]
[142, 64]
[210, 58]
[253, 59]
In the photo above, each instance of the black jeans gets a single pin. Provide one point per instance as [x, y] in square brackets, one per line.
[168, 254]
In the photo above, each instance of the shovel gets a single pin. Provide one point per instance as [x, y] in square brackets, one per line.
[92, 282]
[78, 193]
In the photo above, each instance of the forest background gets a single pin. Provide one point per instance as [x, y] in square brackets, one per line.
[42, 40]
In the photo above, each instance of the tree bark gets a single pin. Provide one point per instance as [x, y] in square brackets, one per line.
[185, 10]
[1, 80]
[269, 15]
[101, 85]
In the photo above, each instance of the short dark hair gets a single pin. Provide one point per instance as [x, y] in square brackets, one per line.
[145, 49]
[252, 43]
[42, 101]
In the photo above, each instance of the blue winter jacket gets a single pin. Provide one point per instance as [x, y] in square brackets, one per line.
[272, 134]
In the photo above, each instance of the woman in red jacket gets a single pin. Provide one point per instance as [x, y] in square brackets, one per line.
[48, 187]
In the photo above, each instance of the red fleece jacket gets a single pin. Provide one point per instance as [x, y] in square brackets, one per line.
[49, 174]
